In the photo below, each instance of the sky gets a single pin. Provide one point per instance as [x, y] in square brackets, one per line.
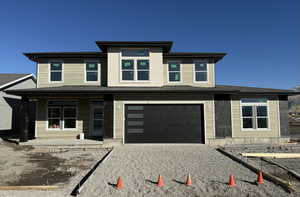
[262, 38]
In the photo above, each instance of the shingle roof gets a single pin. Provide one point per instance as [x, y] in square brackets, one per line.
[219, 89]
[10, 77]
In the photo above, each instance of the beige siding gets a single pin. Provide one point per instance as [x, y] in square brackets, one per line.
[114, 69]
[120, 101]
[73, 74]
[274, 127]
[82, 120]
[187, 75]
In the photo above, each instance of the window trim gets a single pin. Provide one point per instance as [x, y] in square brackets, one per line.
[207, 71]
[62, 117]
[99, 70]
[62, 70]
[135, 70]
[255, 104]
[180, 66]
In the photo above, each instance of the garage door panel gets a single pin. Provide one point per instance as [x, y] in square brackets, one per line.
[163, 123]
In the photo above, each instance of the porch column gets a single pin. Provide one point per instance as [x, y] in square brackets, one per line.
[25, 119]
[108, 116]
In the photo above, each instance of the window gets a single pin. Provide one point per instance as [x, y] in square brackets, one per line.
[254, 113]
[135, 53]
[174, 72]
[55, 71]
[200, 71]
[137, 67]
[54, 117]
[127, 70]
[143, 69]
[92, 72]
[62, 115]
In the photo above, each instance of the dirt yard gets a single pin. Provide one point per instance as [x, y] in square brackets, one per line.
[140, 165]
[25, 165]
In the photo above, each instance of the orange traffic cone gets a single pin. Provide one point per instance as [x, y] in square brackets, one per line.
[260, 179]
[188, 180]
[231, 181]
[120, 184]
[160, 182]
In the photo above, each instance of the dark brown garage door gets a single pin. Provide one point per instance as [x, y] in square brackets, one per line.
[164, 123]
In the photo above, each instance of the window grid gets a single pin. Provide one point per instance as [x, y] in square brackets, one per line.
[200, 71]
[50, 109]
[255, 116]
[56, 71]
[61, 117]
[174, 71]
[135, 69]
[92, 71]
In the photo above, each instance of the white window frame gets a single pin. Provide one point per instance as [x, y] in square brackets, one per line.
[62, 123]
[255, 116]
[195, 72]
[63, 117]
[180, 71]
[135, 70]
[49, 71]
[99, 70]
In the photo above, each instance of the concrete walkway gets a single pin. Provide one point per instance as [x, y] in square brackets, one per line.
[140, 165]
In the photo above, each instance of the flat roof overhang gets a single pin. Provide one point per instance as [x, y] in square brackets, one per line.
[165, 45]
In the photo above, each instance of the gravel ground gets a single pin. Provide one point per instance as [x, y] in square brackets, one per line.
[29, 166]
[140, 165]
[292, 163]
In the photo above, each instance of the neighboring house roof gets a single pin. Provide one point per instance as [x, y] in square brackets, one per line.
[38, 55]
[219, 89]
[9, 79]
[165, 45]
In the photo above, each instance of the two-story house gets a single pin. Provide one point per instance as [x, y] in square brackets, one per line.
[141, 92]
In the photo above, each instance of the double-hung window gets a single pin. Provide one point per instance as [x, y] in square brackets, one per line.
[55, 72]
[200, 69]
[174, 72]
[135, 65]
[62, 115]
[254, 113]
[92, 72]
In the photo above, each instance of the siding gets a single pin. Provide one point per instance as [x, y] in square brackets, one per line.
[73, 74]
[207, 100]
[187, 74]
[156, 69]
[274, 128]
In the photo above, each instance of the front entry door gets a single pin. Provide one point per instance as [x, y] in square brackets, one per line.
[97, 121]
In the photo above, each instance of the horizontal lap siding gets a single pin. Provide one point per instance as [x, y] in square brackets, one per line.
[273, 119]
[73, 74]
[119, 102]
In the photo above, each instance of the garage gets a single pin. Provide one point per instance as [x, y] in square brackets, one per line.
[164, 123]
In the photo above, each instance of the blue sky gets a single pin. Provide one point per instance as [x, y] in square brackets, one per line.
[262, 38]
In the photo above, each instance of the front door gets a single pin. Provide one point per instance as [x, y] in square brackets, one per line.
[96, 121]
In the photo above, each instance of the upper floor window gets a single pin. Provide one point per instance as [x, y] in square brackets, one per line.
[135, 53]
[135, 68]
[92, 72]
[200, 69]
[55, 71]
[174, 72]
[254, 113]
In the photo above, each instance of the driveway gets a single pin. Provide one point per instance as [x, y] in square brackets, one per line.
[140, 165]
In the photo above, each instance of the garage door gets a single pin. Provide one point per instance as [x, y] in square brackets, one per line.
[164, 123]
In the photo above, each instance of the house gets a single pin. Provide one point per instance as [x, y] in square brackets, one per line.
[141, 92]
[10, 104]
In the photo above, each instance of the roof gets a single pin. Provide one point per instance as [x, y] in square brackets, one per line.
[7, 79]
[38, 55]
[215, 56]
[219, 89]
[165, 45]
